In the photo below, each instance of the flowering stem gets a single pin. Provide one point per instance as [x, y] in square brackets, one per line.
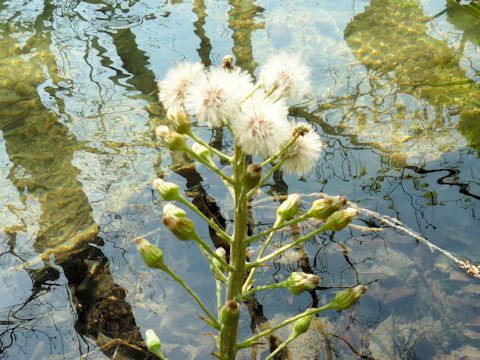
[304, 238]
[280, 152]
[282, 346]
[228, 332]
[210, 222]
[254, 339]
[212, 253]
[212, 167]
[275, 227]
[249, 281]
[279, 285]
[258, 86]
[217, 152]
[212, 321]
[275, 167]
[264, 179]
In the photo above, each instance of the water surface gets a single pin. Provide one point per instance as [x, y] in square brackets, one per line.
[396, 101]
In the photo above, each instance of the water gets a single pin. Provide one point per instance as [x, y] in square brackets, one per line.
[396, 102]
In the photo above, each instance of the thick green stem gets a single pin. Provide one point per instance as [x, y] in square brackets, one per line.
[228, 333]
[254, 339]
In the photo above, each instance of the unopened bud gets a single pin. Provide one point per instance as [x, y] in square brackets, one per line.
[299, 282]
[152, 255]
[167, 190]
[289, 207]
[229, 312]
[171, 139]
[203, 153]
[179, 120]
[172, 210]
[301, 130]
[252, 176]
[175, 219]
[153, 342]
[340, 219]
[301, 325]
[346, 298]
[326, 206]
[216, 266]
[228, 62]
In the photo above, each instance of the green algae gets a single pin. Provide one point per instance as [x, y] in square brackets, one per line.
[391, 38]
[40, 146]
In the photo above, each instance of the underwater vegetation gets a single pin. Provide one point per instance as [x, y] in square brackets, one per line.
[391, 38]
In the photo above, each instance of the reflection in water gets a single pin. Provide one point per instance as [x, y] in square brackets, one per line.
[391, 38]
[242, 21]
[205, 46]
[41, 150]
[421, 308]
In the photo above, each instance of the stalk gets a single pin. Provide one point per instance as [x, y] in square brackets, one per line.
[254, 339]
[228, 332]
[193, 294]
[284, 248]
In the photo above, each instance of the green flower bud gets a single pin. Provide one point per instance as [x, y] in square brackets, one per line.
[153, 342]
[346, 298]
[299, 282]
[229, 312]
[152, 255]
[301, 325]
[216, 266]
[287, 210]
[171, 139]
[172, 210]
[179, 120]
[203, 153]
[326, 206]
[340, 219]
[167, 190]
[252, 176]
[175, 219]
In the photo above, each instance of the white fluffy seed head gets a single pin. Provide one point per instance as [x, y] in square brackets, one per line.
[262, 126]
[304, 154]
[215, 98]
[173, 88]
[285, 75]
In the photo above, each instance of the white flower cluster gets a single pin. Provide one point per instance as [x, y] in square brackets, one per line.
[257, 114]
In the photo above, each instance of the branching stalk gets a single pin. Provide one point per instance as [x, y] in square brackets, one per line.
[275, 228]
[217, 152]
[194, 295]
[212, 167]
[212, 253]
[271, 256]
[228, 332]
[210, 222]
[254, 339]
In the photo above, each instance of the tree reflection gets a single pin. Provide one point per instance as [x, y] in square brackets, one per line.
[42, 150]
[391, 38]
